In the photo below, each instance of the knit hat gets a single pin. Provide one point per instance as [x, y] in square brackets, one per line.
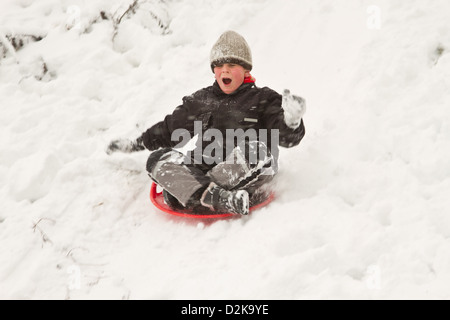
[231, 48]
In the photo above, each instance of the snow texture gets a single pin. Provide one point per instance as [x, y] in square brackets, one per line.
[362, 207]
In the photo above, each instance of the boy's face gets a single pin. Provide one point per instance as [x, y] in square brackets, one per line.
[230, 76]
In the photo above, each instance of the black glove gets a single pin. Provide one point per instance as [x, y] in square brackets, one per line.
[125, 145]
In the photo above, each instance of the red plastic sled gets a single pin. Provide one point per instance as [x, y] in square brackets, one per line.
[157, 199]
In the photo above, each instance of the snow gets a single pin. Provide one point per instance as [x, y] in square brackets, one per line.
[362, 210]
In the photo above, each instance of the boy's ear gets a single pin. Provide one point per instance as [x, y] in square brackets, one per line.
[247, 73]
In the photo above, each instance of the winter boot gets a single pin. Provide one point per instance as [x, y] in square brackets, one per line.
[221, 200]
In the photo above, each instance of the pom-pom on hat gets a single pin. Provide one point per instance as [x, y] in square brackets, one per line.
[231, 48]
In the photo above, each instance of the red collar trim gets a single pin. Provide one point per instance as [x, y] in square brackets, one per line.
[249, 79]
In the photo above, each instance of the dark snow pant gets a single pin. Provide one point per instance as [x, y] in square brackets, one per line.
[186, 180]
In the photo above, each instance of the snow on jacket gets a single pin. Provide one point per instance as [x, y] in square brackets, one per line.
[249, 107]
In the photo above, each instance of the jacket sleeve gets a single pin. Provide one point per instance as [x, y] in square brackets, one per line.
[274, 119]
[160, 135]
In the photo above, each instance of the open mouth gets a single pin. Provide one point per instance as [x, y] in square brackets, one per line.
[226, 81]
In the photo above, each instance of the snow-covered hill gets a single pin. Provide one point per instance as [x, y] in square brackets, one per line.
[362, 209]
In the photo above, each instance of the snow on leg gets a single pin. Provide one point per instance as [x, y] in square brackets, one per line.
[238, 172]
[229, 173]
[168, 169]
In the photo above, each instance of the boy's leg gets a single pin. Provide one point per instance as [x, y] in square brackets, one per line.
[168, 169]
[239, 173]
[235, 175]
[225, 187]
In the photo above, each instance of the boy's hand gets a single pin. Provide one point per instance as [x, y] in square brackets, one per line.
[125, 145]
[294, 108]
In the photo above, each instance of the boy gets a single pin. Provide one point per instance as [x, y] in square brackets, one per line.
[238, 128]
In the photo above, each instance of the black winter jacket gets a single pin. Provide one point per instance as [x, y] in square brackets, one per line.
[249, 107]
